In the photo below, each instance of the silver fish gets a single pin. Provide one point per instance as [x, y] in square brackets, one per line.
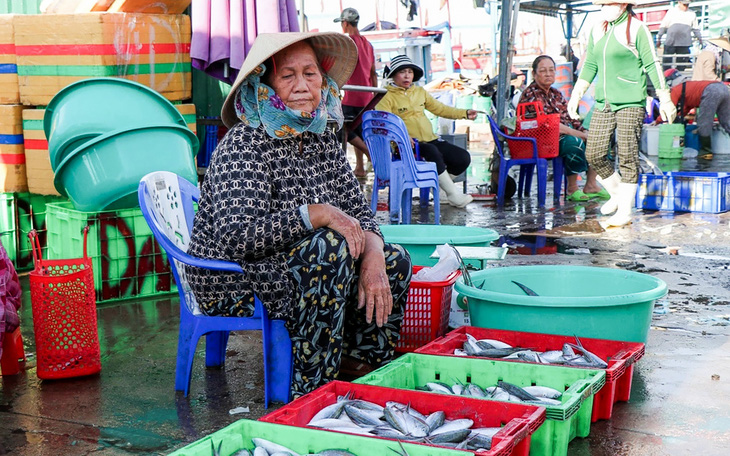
[454, 435]
[332, 422]
[439, 387]
[591, 357]
[516, 391]
[363, 417]
[448, 426]
[272, 447]
[260, 451]
[475, 390]
[366, 405]
[543, 391]
[494, 343]
[435, 420]
[553, 356]
[331, 411]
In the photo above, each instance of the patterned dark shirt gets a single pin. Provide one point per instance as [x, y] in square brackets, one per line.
[249, 211]
[553, 102]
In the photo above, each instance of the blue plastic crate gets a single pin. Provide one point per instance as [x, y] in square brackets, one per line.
[684, 192]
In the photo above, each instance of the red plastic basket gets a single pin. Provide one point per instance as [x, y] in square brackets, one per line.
[545, 128]
[427, 312]
[64, 315]
[620, 356]
[518, 421]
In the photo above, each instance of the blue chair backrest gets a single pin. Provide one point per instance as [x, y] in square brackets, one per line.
[392, 127]
[380, 153]
[167, 204]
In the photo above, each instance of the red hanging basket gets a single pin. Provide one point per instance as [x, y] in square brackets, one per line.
[64, 315]
[545, 128]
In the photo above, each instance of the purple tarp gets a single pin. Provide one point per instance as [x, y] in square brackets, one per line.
[224, 30]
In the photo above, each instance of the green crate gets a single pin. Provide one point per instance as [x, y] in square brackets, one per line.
[19, 214]
[564, 423]
[126, 259]
[238, 436]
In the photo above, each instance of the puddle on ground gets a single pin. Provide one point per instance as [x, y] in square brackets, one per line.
[529, 245]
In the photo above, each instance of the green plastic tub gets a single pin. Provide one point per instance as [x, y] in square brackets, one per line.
[421, 240]
[564, 422]
[600, 303]
[238, 436]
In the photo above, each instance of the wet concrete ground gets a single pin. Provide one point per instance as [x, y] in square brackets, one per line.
[680, 399]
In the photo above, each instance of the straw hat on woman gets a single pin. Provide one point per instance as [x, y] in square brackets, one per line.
[280, 199]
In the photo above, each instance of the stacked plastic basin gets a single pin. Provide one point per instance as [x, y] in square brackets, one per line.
[105, 134]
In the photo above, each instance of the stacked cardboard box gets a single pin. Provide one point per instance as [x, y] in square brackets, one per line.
[8, 68]
[54, 50]
[12, 156]
[38, 163]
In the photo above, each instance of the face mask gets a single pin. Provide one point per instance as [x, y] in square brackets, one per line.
[611, 12]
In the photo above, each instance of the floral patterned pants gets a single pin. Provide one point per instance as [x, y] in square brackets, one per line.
[325, 321]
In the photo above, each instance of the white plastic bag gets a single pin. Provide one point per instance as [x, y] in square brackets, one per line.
[447, 264]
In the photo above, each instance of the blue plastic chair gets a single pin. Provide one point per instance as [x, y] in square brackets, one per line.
[380, 129]
[527, 166]
[167, 201]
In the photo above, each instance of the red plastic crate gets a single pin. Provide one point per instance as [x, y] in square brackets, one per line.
[519, 421]
[620, 356]
[427, 312]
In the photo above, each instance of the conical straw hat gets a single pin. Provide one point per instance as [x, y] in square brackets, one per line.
[336, 52]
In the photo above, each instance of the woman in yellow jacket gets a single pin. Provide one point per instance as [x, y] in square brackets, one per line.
[409, 101]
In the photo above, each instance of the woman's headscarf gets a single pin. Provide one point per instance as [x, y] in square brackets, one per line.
[257, 104]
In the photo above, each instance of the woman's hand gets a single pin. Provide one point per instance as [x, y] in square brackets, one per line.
[326, 215]
[373, 287]
[471, 114]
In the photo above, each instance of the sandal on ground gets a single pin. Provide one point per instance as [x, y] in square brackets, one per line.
[603, 194]
[577, 195]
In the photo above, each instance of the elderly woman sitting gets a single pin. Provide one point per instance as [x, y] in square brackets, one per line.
[572, 134]
[280, 198]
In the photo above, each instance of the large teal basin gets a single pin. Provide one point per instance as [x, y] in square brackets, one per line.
[104, 173]
[421, 240]
[93, 107]
[601, 303]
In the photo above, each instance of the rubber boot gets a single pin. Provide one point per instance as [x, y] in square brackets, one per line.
[626, 197]
[611, 184]
[455, 196]
[705, 152]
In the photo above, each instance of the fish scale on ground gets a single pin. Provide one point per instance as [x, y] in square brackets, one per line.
[402, 422]
[567, 356]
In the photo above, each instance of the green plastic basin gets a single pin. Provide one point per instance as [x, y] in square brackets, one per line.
[600, 303]
[94, 107]
[421, 240]
[104, 173]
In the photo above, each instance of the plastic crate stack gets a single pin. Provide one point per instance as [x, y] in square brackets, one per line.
[40, 54]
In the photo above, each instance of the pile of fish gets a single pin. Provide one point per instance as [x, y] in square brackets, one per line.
[402, 422]
[491, 348]
[265, 447]
[503, 391]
